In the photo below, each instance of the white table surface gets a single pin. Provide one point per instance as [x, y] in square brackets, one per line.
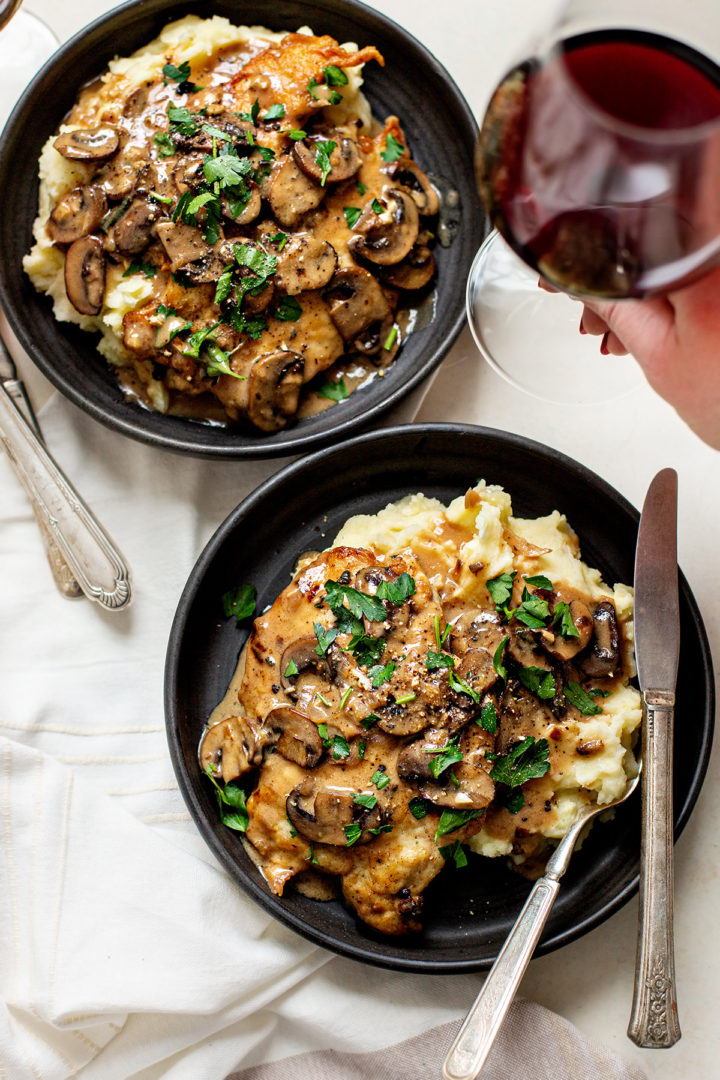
[590, 981]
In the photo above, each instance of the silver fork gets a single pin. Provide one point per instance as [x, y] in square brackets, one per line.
[475, 1039]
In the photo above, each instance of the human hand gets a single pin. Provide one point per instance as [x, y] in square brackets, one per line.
[676, 341]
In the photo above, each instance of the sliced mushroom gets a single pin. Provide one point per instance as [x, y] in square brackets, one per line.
[77, 214]
[321, 813]
[291, 193]
[274, 385]
[134, 230]
[386, 238]
[306, 262]
[231, 747]
[414, 760]
[415, 270]
[88, 144]
[603, 657]
[236, 129]
[295, 737]
[118, 176]
[408, 174]
[188, 172]
[85, 275]
[566, 648]
[524, 648]
[359, 309]
[302, 655]
[183, 243]
[345, 158]
[248, 213]
[478, 670]
[254, 303]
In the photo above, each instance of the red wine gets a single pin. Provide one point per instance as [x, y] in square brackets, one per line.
[601, 166]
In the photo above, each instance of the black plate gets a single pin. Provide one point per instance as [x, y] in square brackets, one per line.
[413, 85]
[468, 912]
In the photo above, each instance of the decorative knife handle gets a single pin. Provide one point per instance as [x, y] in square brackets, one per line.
[93, 559]
[654, 1017]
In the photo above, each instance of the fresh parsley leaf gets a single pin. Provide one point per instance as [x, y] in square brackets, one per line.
[367, 801]
[288, 309]
[291, 669]
[514, 800]
[380, 779]
[539, 581]
[227, 169]
[310, 857]
[334, 391]
[362, 746]
[141, 268]
[324, 637]
[280, 239]
[498, 659]
[340, 748]
[526, 761]
[533, 610]
[217, 362]
[447, 755]
[368, 722]
[456, 852]
[224, 285]
[252, 116]
[538, 681]
[335, 76]
[367, 650]
[580, 699]
[595, 691]
[417, 808]
[463, 687]
[562, 617]
[380, 673]
[435, 660]
[454, 819]
[358, 602]
[275, 112]
[391, 338]
[398, 591]
[361, 188]
[236, 817]
[239, 602]
[377, 206]
[381, 829]
[488, 718]
[199, 201]
[352, 213]
[394, 149]
[323, 731]
[500, 588]
[196, 340]
[177, 74]
[296, 134]
[183, 121]
[166, 147]
[260, 262]
[323, 150]
[405, 699]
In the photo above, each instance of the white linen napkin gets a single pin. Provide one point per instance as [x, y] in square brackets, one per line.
[127, 952]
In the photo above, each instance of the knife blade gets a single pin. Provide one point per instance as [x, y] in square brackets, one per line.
[654, 1016]
[15, 389]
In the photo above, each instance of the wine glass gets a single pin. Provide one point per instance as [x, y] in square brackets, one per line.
[599, 164]
[26, 42]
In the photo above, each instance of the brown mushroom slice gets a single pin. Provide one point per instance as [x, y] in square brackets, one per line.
[77, 214]
[408, 174]
[291, 193]
[414, 760]
[187, 172]
[249, 211]
[478, 670]
[274, 385]
[603, 657]
[306, 262]
[118, 176]
[295, 736]
[301, 656]
[88, 144]
[386, 238]
[183, 243]
[466, 785]
[563, 648]
[345, 158]
[134, 231]
[231, 747]
[358, 307]
[85, 275]
[415, 270]
[524, 648]
[321, 812]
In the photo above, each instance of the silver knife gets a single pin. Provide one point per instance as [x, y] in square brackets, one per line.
[654, 1017]
[61, 572]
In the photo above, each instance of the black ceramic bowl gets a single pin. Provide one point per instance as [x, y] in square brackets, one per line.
[441, 132]
[468, 912]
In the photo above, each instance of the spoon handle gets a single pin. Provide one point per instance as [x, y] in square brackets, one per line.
[654, 1017]
[477, 1035]
[93, 559]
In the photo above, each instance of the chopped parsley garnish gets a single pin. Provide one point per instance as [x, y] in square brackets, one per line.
[359, 603]
[447, 755]
[440, 638]
[166, 147]
[310, 857]
[361, 188]
[514, 800]
[275, 112]
[435, 660]
[279, 240]
[394, 149]
[334, 391]
[217, 362]
[498, 659]
[196, 340]
[367, 801]
[500, 589]
[344, 699]
[180, 74]
[538, 681]
[252, 116]
[323, 731]
[488, 718]
[380, 779]
[391, 338]
[381, 673]
[380, 829]
[595, 691]
[398, 591]
[362, 746]
[539, 581]
[166, 199]
[240, 602]
[377, 206]
[340, 748]
[183, 121]
[334, 98]
[226, 168]
[335, 76]
[231, 802]
[404, 699]
[324, 637]
[323, 150]
[456, 852]
[288, 309]
[148, 269]
[463, 687]
[454, 819]
[562, 617]
[291, 669]
[580, 699]
[296, 134]
[224, 285]
[352, 213]
[526, 761]
[533, 611]
[368, 722]
[417, 808]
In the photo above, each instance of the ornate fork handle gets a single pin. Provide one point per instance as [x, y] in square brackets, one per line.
[94, 561]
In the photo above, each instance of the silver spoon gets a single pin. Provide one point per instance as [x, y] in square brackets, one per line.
[482, 1024]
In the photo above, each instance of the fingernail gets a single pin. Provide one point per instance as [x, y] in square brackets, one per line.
[581, 328]
[604, 351]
